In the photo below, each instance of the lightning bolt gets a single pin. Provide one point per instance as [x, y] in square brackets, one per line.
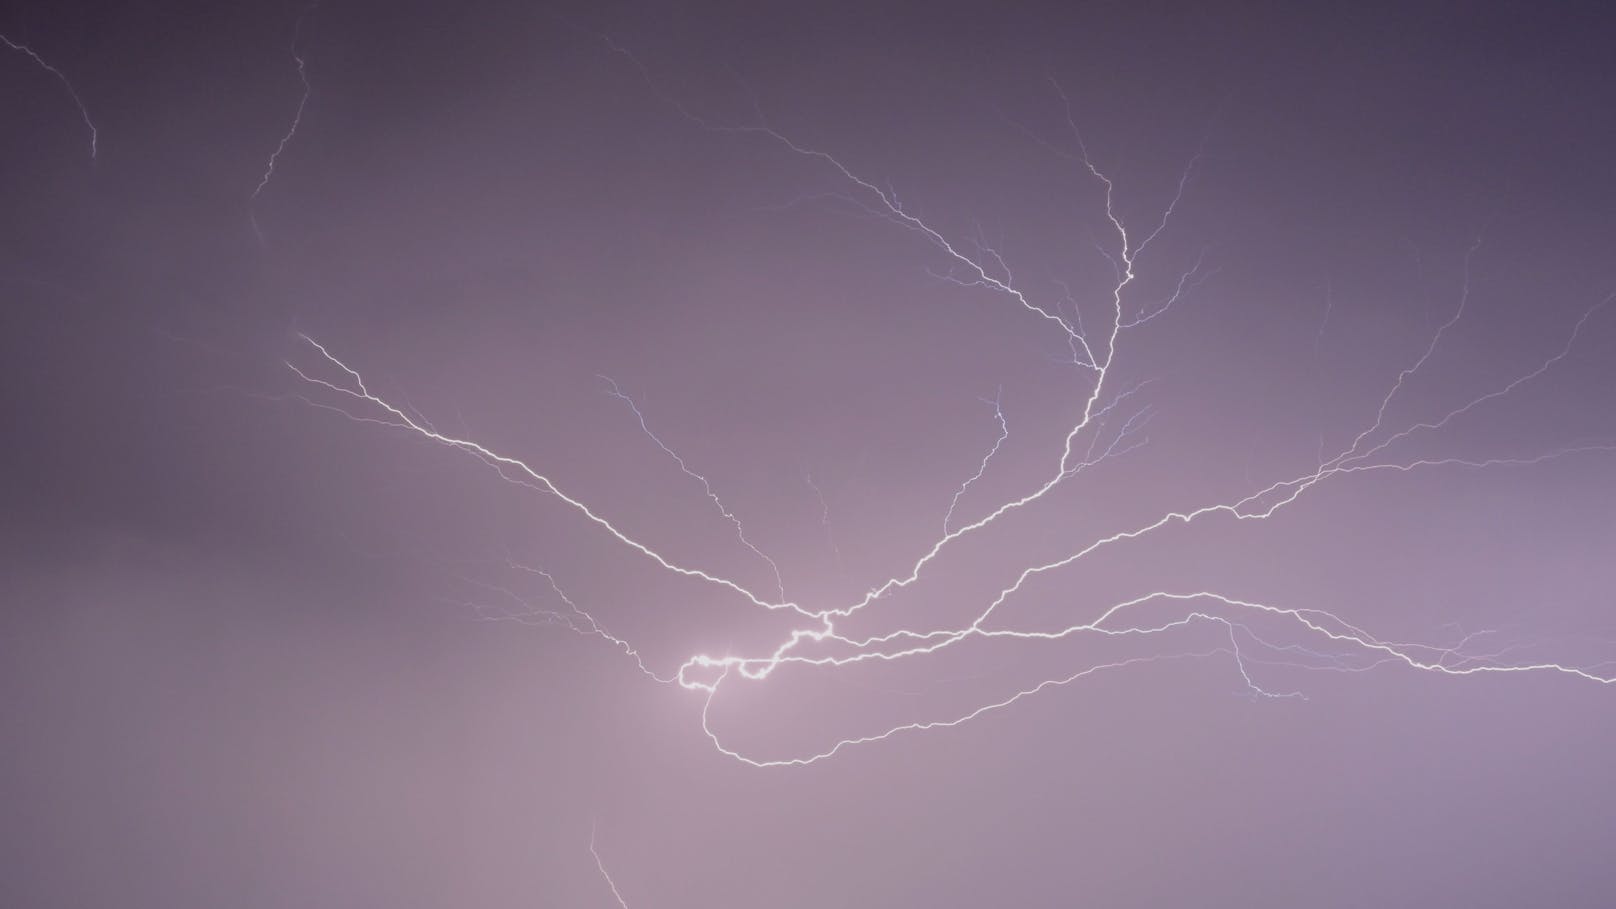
[706, 487]
[1109, 425]
[577, 620]
[297, 115]
[824, 516]
[297, 118]
[1004, 433]
[601, 867]
[84, 112]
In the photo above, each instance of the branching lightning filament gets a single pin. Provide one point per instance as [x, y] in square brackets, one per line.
[1110, 423]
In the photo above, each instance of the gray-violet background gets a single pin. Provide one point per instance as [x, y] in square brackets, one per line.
[244, 654]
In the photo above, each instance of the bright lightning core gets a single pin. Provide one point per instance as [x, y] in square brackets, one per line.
[1112, 420]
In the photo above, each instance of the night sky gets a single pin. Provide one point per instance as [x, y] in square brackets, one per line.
[783, 474]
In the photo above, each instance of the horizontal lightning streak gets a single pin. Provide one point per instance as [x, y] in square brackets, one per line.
[1242, 509]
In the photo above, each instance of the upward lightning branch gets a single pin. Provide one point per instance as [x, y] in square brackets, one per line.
[1110, 424]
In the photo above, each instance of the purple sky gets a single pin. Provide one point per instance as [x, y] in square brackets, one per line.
[270, 639]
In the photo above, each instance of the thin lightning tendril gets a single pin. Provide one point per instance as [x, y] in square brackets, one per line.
[706, 487]
[1004, 433]
[84, 112]
[302, 102]
[601, 866]
[297, 118]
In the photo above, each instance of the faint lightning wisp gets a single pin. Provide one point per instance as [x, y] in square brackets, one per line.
[84, 112]
[297, 114]
[982, 468]
[601, 867]
[706, 487]
[297, 118]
